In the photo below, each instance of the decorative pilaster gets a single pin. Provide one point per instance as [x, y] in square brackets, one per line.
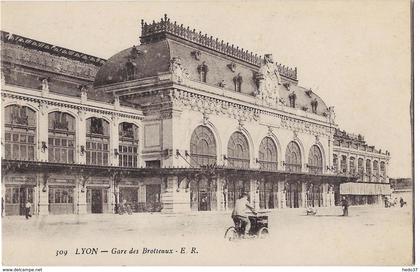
[254, 193]
[114, 141]
[281, 195]
[303, 195]
[173, 199]
[43, 194]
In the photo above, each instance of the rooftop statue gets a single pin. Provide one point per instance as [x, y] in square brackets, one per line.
[179, 73]
[268, 81]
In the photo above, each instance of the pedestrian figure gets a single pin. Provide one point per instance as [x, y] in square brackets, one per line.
[387, 203]
[402, 202]
[345, 205]
[28, 206]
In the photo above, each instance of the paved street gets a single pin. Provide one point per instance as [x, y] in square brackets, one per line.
[369, 236]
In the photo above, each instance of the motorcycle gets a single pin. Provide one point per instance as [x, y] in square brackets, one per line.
[259, 229]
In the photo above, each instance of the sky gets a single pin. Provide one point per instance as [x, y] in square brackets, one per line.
[355, 54]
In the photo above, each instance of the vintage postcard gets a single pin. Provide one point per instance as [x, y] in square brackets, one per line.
[207, 133]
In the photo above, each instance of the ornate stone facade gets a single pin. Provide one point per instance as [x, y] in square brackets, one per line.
[215, 120]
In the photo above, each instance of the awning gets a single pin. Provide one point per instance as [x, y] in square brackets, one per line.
[353, 188]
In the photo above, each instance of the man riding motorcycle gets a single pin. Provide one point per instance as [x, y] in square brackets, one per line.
[239, 214]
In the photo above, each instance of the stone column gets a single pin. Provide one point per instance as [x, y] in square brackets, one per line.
[173, 200]
[281, 196]
[43, 194]
[81, 195]
[111, 197]
[42, 131]
[303, 195]
[220, 200]
[81, 138]
[114, 141]
[254, 193]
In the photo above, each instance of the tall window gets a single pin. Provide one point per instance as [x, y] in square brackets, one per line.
[314, 105]
[315, 160]
[237, 81]
[268, 154]
[292, 100]
[61, 137]
[343, 165]
[376, 170]
[238, 151]
[383, 171]
[368, 170]
[268, 194]
[128, 146]
[352, 163]
[20, 133]
[202, 70]
[97, 141]
[293, 158]
[203, 147]
[360, 167]
[335, 162]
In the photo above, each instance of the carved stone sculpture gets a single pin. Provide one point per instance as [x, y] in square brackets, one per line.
[268, 80]
[179, 73]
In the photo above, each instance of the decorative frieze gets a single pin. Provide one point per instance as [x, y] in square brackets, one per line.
[44, 104]
[187, 100]
[46, 61]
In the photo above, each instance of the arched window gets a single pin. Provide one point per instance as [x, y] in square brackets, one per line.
[128, 146]
[376, 171]
[368, 170]
[238, 151]
[293, 158]
[314, 105]
[268, 154]
[61, 137]
[203, 147]
[97, 141]
[352, 166]
[360, 167]
[20, 133]
[315, 160]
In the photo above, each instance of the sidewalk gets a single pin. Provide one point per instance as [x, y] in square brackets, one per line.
[335, 210]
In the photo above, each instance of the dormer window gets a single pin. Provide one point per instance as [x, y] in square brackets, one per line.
[131, 68]
[237, 81]
[292, 100]
[202, 70]
[314, 104]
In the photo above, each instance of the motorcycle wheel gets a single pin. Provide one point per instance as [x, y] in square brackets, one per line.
[263, 233]
[231, 234]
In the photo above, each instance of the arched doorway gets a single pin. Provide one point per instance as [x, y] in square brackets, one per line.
[203, 192]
